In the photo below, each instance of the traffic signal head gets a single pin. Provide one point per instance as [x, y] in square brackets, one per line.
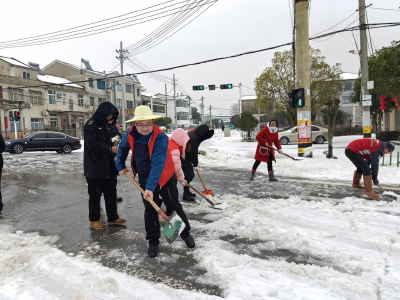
[299, 97]
[198, 88]
[211, 87]
[226, 86]
[291, 102]
[17, 116]
[11, 114]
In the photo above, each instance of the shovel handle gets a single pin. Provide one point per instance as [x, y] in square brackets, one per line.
[381, 188]
[158, 209]
[196, 190]
[198, 174]
[273, 148]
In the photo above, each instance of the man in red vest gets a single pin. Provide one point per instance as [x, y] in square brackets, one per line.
[153, 162]
[363, 153]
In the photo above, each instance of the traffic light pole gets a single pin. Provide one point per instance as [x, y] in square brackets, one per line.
[364, 69]
[15, 124]
[303, 75]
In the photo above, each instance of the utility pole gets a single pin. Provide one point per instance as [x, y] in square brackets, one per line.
[176, 119]
[240, 98]
[364, 69]
[303, 75]
[166, 101]
[202, 109]
[121, 57]
[210, 117]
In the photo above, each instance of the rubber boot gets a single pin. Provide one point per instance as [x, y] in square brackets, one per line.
[271, 176]
[186, 195]
[356, 181]
[189, 191]
[253, 171]
[368, 187]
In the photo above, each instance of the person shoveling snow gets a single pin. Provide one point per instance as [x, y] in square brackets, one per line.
[363, 153]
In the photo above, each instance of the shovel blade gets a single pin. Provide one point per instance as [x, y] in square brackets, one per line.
[207, 192]
[173, 227]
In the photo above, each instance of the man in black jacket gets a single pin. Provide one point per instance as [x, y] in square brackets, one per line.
[191, 161]
[2, 148]
[99, 166]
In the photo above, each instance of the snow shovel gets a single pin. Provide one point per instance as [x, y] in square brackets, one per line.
[205, 192]
[198, 192]
[173, 225]
[273, 148]
[391, 195]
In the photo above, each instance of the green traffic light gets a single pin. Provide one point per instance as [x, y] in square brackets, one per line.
[229, 86]
[201, 87]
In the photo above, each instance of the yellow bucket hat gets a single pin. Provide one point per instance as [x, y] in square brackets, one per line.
[142, 113]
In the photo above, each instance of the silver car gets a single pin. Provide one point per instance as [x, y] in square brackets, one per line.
[319, 135]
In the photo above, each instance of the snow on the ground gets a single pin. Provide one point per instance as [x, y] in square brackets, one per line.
[341, 250]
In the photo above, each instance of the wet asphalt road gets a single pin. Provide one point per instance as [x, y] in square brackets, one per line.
[47, 193]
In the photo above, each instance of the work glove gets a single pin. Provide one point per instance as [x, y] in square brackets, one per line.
[280, 151]
[376, 181]
[195, 168]
[183, 182]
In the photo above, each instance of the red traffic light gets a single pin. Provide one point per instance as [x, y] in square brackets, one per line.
[17, 115]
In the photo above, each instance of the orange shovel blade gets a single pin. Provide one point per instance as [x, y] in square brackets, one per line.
[207, 192]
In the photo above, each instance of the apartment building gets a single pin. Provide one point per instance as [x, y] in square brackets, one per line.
[183, 111]
[157, 104]
[100, 86]
[44, 101]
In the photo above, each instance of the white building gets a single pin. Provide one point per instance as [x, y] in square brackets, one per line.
[183, 109]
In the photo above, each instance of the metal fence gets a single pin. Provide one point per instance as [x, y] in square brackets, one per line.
[389, 163]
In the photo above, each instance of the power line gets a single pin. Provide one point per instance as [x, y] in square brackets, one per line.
[98, 31]
[355, 28]
[383, 8]
[87, 24]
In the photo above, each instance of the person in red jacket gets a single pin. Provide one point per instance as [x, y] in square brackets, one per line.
[267, 137]
[363, 153]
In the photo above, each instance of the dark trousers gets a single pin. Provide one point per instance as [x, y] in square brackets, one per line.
[187, 169]
[114, 181]
[359, 161]
[1, 197]
[97, 187]
[169, 194]
[258, 162]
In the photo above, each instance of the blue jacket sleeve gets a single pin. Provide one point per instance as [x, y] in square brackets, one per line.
[158, 160]
[375, 164]
[123, 151]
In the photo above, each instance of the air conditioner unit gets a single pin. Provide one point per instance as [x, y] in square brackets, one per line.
[28, 105]
[61, 95]
[45, 113]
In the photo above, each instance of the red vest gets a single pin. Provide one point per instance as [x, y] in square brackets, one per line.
[364, 147]
[172, 145]
[169, 167]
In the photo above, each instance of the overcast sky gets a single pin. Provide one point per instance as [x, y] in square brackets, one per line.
[229, 27]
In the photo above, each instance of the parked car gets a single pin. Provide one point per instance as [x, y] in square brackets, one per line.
[44, 141]
[191, 127]
[319, 135]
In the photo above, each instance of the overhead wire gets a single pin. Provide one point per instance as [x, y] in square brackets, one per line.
[355, 28]
[70, 37]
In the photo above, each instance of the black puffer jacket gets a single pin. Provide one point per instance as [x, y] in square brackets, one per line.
[98, 160]
[197, 136]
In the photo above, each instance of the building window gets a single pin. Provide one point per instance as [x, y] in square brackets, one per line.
[80, 100]
[35, 97]
[52, 97]
[138, 92]
[128, 88]
[90, 82]
[182, 103]
[101, 84]
[129, 104]
[101, 100]
[345, 99]
[118, 87]
[118, 103]
[53, 122]
[26, 75]
[36, 123]
[348, 86]
[15, 94]
[91, 101]
[81, 124]
[182, 115]
[62, 96]
[158, 108]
